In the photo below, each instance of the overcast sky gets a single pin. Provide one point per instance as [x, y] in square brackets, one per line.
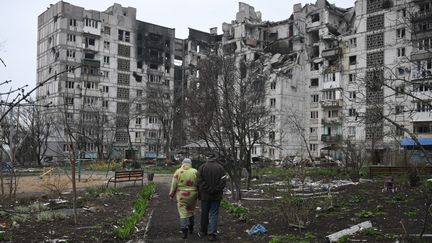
[18, 24]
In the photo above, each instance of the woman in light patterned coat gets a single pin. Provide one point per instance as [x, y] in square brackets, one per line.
[184, 186]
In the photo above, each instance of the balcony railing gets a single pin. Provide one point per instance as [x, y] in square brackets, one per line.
[331, 120]
[331, 103]
[330, 52]
[331, 138]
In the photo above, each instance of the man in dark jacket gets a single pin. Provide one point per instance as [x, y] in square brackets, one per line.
[211, 182]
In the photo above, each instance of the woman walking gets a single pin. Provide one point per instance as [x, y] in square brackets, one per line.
[184, 186]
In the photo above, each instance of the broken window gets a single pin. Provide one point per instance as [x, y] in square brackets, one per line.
[400, 90]
[352, 60]
[71, 37]
[72, 22]
[70, 53]
[89, 55]
[272, 135]
[123, 64]
[124, 35]
[315, 17]
[401, 13]
[314, 66]
[400, 33]
[106, 45]
[352, 112]
[401, 52]
[123, 78]
[69, 84]
[91, 23]
[352, 42]
[107, 30]
[314, 114]
[137, 77]
[89, 42]
[314, 82]
[272, 102]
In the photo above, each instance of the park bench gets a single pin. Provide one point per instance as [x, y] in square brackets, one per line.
[126, 176]
[394, 170]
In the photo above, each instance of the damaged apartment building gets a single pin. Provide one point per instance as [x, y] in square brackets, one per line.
[327, 68]
[99, 66]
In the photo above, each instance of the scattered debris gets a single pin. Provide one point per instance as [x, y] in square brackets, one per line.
[349, 231]
[298, 226]
[58, 201]
[363, 180]
[257, 199]
[257, 230]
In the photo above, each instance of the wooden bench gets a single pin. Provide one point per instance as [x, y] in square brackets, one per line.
[394, 170]
[127, 175]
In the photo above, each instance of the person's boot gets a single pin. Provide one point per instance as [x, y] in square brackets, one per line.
[191, 225]
[185, 233]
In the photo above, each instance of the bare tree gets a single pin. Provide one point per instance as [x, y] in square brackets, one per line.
[160, 103]
[227, 109]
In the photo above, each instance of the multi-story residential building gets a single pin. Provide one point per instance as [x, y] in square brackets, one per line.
[337, 74]
[103, 65]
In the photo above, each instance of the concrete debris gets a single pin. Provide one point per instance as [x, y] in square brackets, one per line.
[256, 199]
[58, 201]
[349, 231]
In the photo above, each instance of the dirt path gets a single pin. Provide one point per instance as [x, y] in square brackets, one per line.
[164, 225]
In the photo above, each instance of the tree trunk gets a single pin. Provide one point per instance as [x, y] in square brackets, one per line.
[426, 216]
[74, 204]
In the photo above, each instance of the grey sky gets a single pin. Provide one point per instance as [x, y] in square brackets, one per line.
[18, 24]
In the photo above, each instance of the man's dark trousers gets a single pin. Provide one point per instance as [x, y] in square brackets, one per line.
[209, 208]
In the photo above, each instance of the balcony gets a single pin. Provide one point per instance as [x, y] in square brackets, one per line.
[331, 103]
[421, 15]
[331, 120]
[331, 138]
[328, 53]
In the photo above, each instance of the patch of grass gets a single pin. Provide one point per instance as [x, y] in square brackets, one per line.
[127, 224]
[412, 213]
[49, 216]
[396, 199]
[98, 190]
[343, 239]
[236, 210]
[365, 214]
[32, 208]
[356, 199]
[374, 233]
[20, 218]
[292, 238]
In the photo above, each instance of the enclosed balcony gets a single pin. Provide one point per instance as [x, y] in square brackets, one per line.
[330, 53]
[331, 138]
[331, 103]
